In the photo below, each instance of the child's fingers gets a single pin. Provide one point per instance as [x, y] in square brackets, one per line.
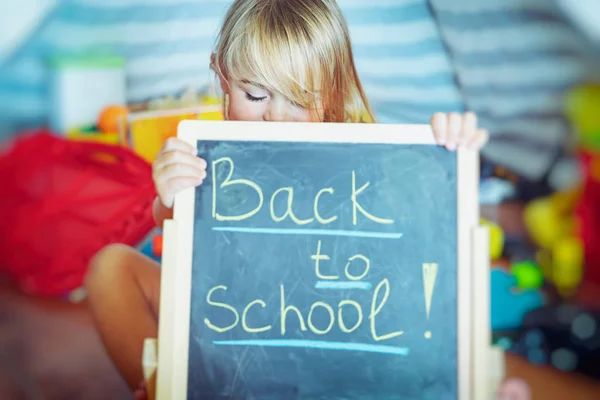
[174, 143]
[469, 128]
[178, 170]
[177, 157]
[439, 124]
[478, 140]
[169, 189]
[454, 128]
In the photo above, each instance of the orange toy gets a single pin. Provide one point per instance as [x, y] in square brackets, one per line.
[157, 245]
[112, 118]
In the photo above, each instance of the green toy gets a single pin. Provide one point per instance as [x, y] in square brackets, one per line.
[528, 274]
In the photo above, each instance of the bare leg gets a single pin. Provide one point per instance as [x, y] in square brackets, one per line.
[123, 289]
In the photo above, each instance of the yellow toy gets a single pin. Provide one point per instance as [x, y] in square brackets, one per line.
[583, 106]
[496, 239]
[552, 222]
[551, 219]
[567, 260]
[552, 227]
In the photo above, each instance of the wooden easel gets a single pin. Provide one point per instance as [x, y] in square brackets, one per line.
[480, 365]
[487, 366]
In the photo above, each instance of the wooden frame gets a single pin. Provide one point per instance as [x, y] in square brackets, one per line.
[173, 342]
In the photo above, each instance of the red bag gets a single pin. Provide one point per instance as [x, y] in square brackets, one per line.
[61, 202]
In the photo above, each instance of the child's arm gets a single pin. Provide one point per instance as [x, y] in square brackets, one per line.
[160, 212]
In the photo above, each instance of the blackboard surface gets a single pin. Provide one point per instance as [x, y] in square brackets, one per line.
[371, 238]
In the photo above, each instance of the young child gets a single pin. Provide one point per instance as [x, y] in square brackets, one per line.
[277, 60]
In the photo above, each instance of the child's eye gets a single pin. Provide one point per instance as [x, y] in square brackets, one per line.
[252, 98]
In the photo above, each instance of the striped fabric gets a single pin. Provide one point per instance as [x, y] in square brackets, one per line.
[514, 59]
[167, 43]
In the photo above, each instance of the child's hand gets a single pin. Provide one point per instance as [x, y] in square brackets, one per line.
[454, 130]
[175, 168]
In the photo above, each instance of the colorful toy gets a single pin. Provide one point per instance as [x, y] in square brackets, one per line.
[551, 218]
[552, 223]
[583, 109]
[113, 119]
[81, 86]
[528, 274]
[496, 239]
[565, 336]
[157, 245]
[567, 259]
[151, 246]
[148, 130]
[566, 225]
[583, 105]
[80, 135]
[509, 304]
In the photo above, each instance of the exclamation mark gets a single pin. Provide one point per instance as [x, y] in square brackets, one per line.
[429, 275]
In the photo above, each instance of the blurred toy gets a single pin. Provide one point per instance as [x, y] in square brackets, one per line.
[81, 87]
[528, 275]
[583, 105]
[551, 219]
[567, 260]
[583, 109]
[92, 135]
[553, 225]
[496, 239]
[157, 245]
[148, 129]
[152, 245]
[109, 128]
[493, 190]
[565, 336]
[509, 304]
[566, 225]
[112, 119]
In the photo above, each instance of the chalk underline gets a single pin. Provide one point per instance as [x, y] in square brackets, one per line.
[317, 344]
[343, 285]
[315, 232]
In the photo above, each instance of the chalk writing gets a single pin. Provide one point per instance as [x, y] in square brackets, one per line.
[289, 191]
[347, 316]
[287, 310]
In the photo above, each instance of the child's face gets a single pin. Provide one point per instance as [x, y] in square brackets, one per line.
[251, 101]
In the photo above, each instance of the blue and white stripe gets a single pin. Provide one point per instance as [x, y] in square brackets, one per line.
[514, 60]
[508, 60]
[167, 44]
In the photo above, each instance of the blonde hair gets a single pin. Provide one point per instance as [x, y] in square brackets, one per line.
[299, 48]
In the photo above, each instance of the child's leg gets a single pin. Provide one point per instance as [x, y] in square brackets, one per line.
[123, 289]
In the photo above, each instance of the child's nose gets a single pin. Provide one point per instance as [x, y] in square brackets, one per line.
[277, 111]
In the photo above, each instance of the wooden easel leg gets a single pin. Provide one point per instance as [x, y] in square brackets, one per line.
[497, 369]
[487, 361]
[149, 363]
[158, 369]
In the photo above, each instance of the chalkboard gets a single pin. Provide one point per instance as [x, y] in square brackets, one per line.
[323, 261]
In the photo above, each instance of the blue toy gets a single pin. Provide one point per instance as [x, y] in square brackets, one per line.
[147, 246]
[509, 303]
